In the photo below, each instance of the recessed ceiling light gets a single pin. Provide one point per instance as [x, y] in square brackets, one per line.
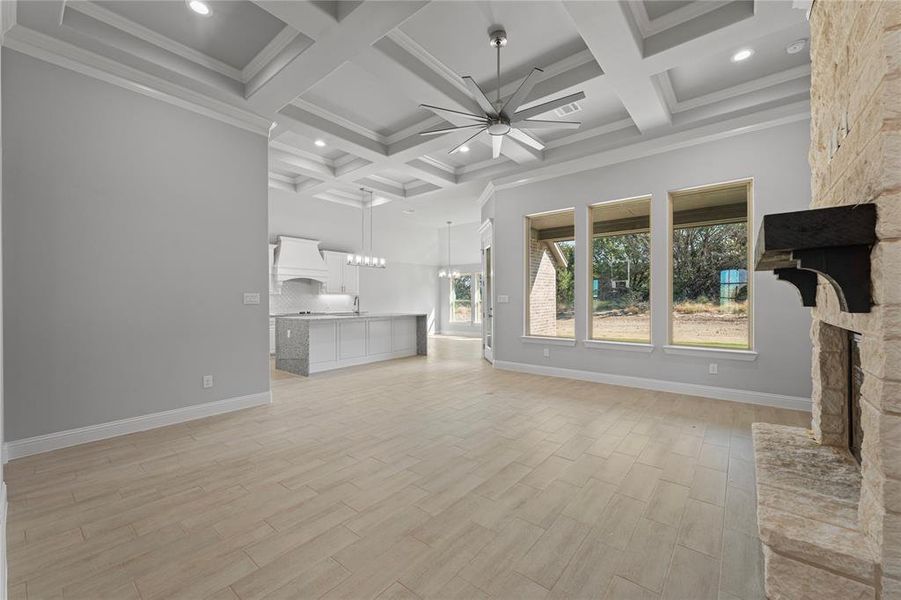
[200, 7]
[464, 148]
[796, 46]
[409, 211]
[320, 143]
[743, 54]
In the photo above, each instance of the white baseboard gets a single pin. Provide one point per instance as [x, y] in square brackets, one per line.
[3, 514]
[92, 433]
[659, 385]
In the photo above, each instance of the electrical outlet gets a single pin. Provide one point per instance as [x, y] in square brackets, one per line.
[547, 352]
[207, 381]
[713, 369]
[251, 298]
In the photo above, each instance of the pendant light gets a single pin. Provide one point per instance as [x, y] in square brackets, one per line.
[448, 272]
[366, 260]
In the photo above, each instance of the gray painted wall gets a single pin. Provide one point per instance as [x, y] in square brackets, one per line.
[777, 160]
[130, 230]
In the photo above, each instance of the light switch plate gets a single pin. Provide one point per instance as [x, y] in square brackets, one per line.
[207, 381]
[503, 299]
[251, 298]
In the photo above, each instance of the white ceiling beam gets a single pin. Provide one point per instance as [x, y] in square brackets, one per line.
[432, 174]
[309, 18]
[300, 164]
[364, 26]
[617, 47]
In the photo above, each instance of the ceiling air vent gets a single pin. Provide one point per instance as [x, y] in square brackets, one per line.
[568, 109]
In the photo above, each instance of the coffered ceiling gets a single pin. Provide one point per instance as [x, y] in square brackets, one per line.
[657, 74]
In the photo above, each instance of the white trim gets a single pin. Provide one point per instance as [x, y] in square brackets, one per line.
[721, 353]
[150, 36]
[4, 512]
[7, 16]
[548, 341]
[66, 55]
[321, 367]
[486, 195]
[269, 52]
[674, 387]
[624, 346]
[92, 433]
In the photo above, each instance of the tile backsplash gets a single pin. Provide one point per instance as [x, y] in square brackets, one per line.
[302, 295]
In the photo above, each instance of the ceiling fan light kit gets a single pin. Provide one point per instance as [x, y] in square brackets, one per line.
[497, 120]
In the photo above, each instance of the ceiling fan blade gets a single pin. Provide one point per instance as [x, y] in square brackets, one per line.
[525, 138]
[479, 96]
[547, 106]
[539, 124]
[461, 144]
[496, 142]
[523, 90]
[446, 113]
[443, 130]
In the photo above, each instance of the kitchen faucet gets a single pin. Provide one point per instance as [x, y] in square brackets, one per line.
[357, 305]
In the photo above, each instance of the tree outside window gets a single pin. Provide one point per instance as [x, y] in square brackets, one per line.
[461, 294]
[710, 259]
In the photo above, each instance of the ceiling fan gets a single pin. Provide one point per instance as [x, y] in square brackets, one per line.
[501, 118]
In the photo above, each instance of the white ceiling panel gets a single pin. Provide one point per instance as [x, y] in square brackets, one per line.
[352, 93]
[659, 8]
[456, 33]
[716, 71]
[234, 33]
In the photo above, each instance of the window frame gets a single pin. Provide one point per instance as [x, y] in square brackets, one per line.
[526, 266]
[700, 349]
[473, 295]
[590, 340]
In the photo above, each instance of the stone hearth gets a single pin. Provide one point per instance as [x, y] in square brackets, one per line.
[830, 528]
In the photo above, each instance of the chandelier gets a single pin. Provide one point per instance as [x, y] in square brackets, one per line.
[366, 260]
[448, 272]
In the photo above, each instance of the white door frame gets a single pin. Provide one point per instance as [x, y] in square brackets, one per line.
[486, 235]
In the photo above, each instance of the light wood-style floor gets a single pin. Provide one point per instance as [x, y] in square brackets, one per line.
[434, 477]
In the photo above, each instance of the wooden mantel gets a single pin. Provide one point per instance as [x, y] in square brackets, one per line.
[832, 242]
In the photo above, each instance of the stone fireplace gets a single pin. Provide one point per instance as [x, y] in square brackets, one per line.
[830, 525]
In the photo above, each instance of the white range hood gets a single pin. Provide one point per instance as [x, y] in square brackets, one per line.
[297, 258]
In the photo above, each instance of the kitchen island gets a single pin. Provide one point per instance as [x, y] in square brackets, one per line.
[306, 344]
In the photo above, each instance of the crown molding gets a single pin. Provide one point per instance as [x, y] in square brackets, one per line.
[104, 15]
[7, 16]
[269, 52]
[748, 87]
[66, 55]
[323, 113]
[747, 123]
[486, 195]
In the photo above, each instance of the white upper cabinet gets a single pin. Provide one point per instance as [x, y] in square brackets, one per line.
[342, 278]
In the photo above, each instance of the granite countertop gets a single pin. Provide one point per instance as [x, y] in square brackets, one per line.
[342, 316]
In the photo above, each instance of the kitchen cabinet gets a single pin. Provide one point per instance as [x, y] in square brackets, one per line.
[271, 336]
[342, 277]
[309, 344]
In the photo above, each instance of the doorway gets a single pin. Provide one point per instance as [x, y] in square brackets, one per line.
[487, 291]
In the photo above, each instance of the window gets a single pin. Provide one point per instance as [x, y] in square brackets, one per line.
[711, 300]
[550, 274]
[620, 284]
[461, 299]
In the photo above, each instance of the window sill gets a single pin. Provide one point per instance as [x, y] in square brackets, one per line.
[623, 346]
[723, 353]
[548, 341]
